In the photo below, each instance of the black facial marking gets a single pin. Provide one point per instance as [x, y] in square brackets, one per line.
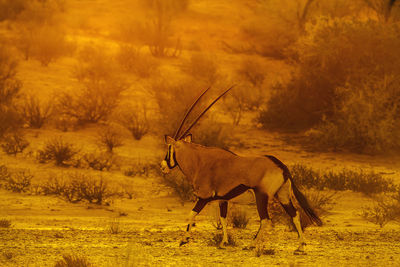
[168, 158]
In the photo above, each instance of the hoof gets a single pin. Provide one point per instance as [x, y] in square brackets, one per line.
[222, 245]
[184, 241]
[299, 252]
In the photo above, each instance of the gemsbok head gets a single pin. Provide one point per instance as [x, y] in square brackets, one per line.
[218, 174]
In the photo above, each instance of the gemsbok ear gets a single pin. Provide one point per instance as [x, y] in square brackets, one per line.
[169, 140]
[188, 138]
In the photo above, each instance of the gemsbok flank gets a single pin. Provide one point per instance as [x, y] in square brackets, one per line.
[218, 174]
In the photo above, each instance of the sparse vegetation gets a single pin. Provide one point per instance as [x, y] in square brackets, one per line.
[58, 150]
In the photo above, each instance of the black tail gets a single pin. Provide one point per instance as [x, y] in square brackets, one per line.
[299, 196]
[305, 206]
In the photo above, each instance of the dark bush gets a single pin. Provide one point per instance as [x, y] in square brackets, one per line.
[76, 187]
[9, 91]
[14, 143]
[109, 138]
[58, 150]
[5, 223]
[34, 113]
[134, 119]
[358, 181]
[99, 161]
[181, 186]
[101, 88]
[19, 181]
[330, 56]
[133, 60]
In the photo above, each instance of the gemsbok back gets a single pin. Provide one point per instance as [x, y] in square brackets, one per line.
[218, 174]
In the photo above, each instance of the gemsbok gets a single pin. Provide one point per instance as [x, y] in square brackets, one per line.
[218, 174]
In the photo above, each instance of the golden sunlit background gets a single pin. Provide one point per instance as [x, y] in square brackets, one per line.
[89, 88]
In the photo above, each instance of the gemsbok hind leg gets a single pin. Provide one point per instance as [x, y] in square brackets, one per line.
[223, 211]
[284, 197]
[200, 204]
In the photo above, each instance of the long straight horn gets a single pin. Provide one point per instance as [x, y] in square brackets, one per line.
[188, 112]
[198, 118]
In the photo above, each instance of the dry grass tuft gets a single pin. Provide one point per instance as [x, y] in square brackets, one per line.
[216, 240]
[73, 261]
[239, 218]
[5, 223]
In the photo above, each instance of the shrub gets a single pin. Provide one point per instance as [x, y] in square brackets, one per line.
[132, 60]
[202, 67]
[383, 211]
[18, 181]
[77, 187]
[181, 186]
[14, 143]
[114, 227]
[110, 139]
[99, 161]
[73, 261]
[9, 91]
[365, 182]
[330, 56]
[49, 44]
[134, 119]
[101, 88]
[60, 151]
[366, 120]
[211, 133]
[239, 218]
[5, 223]
[34, 113]
[141, 169]
[181, 95]
[159, 31]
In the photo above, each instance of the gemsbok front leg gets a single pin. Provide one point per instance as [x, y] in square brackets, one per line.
[223, 211]
[200, 204]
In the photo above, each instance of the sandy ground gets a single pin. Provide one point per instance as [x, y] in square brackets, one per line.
[45, 228]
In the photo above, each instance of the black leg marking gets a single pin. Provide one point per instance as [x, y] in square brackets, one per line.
[262, 205]
[290, 209]
[235, 192]
[200, 204]
[223, 208]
